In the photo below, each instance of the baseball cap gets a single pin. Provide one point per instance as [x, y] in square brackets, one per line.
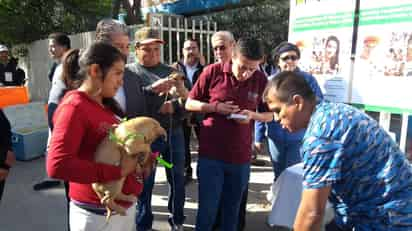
[3, 48]
[147, 35]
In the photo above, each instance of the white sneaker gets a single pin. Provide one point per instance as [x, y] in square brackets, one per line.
[177, 228]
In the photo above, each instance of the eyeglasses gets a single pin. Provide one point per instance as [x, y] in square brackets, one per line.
[190, 48]
[222, 48]
[289, 57]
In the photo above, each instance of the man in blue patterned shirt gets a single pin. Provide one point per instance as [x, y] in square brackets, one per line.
[347, 157]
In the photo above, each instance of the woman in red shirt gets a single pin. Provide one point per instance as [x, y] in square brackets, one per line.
[81, 121]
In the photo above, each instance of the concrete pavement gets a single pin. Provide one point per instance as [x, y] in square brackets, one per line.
[23, 209]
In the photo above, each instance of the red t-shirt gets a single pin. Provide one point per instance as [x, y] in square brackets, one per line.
[222, 138]
[80, 124]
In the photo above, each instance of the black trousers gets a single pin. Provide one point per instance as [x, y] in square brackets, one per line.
[187, 133]
[2, 183]
[66, 189]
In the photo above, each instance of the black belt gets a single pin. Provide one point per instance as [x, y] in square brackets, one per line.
[101, 211]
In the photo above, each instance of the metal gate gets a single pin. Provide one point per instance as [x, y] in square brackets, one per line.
[175, 29]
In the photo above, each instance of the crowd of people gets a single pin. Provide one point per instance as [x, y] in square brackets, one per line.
[233, 105]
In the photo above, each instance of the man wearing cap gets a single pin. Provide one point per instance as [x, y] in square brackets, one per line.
[10, 74]
[146, 86]
[284, 145]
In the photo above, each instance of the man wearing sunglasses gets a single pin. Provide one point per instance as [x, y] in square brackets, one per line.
[284, 145]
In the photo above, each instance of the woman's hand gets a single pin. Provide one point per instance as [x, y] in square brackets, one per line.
[250, 115]
[128, 164]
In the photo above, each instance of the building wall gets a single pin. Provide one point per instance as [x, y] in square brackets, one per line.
[37, 64]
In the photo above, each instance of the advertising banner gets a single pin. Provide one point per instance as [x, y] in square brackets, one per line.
[383, 64]
[323, 31]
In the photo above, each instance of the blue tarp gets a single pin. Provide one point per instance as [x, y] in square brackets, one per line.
[188, 6]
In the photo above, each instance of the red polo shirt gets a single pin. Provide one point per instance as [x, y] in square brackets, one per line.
[222, 138]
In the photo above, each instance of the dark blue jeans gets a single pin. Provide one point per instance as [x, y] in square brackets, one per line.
[223, 182]
[283, 155]
[172, 151]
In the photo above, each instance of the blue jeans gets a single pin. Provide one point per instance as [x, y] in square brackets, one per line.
[283, 154]
[223, 182]
[172, 151]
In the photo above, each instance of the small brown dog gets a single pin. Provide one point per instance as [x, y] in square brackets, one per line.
[133, 138]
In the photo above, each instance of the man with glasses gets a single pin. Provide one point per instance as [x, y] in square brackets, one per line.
[229, 94]
[284, 145]
[191, 67]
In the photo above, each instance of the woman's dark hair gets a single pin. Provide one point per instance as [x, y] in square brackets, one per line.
[70, 62]
[335, 59]
[286, 84]
[76, 64]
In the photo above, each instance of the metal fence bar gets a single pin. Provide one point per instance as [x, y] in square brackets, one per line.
[193, 28]
[201, 37]
[178, 38]
[186, 29]
[197, 29]
[385, 120]
[162, 52]
[170, 39]
[404, 132]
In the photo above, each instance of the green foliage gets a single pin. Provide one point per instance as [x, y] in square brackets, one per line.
[24, 21]
[266, 19]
